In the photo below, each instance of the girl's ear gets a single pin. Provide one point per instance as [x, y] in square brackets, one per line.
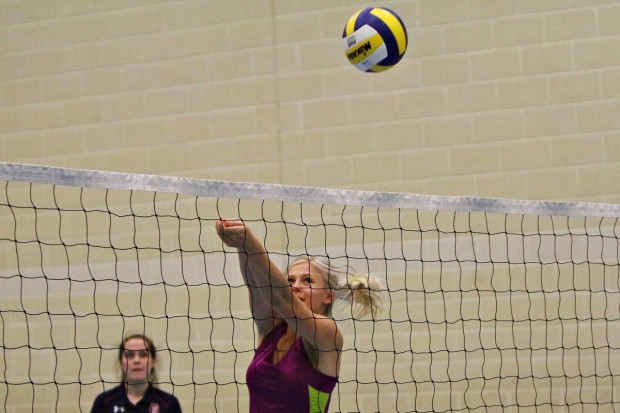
[329, 297]
[152, 366]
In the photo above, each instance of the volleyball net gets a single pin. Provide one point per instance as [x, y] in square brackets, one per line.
[491, 304]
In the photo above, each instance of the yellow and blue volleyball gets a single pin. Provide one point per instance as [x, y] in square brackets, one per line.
[374, 39]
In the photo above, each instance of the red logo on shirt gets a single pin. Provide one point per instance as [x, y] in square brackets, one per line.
[154, 408]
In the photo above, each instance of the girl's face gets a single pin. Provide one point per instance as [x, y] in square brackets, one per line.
[310, 286]
[136, 361]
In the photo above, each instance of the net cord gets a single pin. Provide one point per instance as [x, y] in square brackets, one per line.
[238, 190]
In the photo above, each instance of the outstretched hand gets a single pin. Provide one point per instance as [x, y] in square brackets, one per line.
[235, 234]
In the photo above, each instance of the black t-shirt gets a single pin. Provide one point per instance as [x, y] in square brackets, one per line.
[154, 401]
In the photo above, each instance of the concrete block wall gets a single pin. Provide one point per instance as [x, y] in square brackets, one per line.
[516, 99]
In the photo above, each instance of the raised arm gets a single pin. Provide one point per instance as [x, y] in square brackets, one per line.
[234, 234]
[271, 292]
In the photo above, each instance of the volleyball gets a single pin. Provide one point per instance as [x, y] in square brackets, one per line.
[374, 39]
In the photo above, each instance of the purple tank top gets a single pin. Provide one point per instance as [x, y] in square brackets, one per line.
[292, 385]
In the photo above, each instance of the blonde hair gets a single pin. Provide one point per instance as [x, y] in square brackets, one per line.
[364, 291]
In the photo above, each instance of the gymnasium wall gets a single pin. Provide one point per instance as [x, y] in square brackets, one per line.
[508, 98]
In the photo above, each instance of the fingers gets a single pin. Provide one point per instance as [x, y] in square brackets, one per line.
[231, 232]
[223, 223]
[219, 227]
[236, 234]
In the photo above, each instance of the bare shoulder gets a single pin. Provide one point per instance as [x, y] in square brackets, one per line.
[325, 356]
[326, 335]
[264, 327]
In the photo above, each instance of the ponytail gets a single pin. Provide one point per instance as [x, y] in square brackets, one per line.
[366, 294]
[364, 291]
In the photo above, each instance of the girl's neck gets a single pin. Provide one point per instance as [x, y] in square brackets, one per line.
[284, 344]
[135, 392]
